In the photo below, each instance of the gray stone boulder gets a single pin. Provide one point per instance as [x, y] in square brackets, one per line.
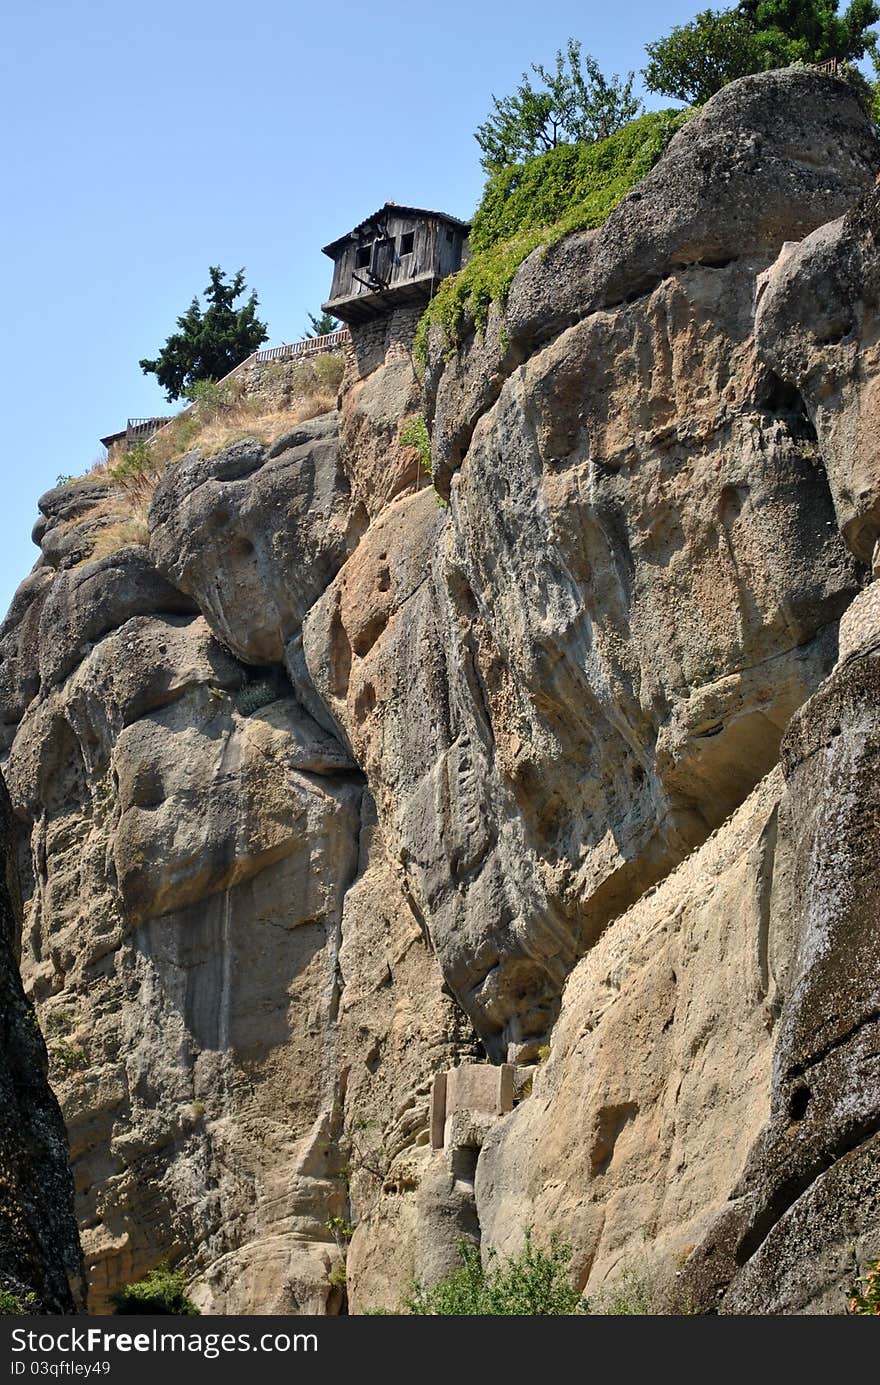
[255, 534]
[20, 650]
[817, 327]
[86, 603]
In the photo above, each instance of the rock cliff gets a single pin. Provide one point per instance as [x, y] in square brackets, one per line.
[40, 1261]
[343, 781]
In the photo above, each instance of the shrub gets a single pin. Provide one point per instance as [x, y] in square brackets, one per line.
[211, 397]
[68, 1057]
[864, 1294]
[414, 433]
[329, 370]
[533, 1283]
[137, 470]
[572, 188]
[629, 1296]
[254, 696]
[161, 1291]
[12, 1305]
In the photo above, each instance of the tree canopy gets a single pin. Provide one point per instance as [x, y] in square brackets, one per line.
[322, 324]
[695, 60]
[810, 31]
[212, 342]
[575, 102]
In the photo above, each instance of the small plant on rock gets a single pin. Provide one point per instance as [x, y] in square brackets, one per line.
[254, 696]
[414, 433]
[15, 1305]
[864, 1294]
[161, 1291]
[631, 1295]
[67, 1057]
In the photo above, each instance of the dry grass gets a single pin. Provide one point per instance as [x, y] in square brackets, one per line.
[247, 419]
[123, 533]
[221, 417]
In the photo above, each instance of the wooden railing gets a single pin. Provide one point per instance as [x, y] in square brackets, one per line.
[139, 429]
[832, 67]
[309, 346]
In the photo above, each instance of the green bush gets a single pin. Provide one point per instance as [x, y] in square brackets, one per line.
[68, 1057]
[533, 1283]
[211, 397]
[629, 1296]
[253, 696]
[140, 465]
[161, 1291]
[414, 433]
[11, 1305]
[329, 370]
[571, 188]
[864, 1295]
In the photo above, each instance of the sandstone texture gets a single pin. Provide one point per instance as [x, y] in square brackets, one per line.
[343, 781]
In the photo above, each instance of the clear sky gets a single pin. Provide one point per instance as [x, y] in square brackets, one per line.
[145, 142]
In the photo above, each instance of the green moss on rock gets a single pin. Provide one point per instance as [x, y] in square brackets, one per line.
[574, 187]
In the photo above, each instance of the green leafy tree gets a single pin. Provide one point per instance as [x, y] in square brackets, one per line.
[810, 31]
[575, 103]
[212, 342]
[695, 60]
[322, 325]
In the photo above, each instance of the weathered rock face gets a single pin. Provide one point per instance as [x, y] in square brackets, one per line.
[257, 533]
[559, 688]
[768, 159]
[224, 965]
[373, 408]
[40, 1259]
[333, 786]
[817, 326]
[656, 1085]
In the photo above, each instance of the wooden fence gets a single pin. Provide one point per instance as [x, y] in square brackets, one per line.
[309, 346]
[140, 429]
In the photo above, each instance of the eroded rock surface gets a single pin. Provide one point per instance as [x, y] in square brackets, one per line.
[335, 785]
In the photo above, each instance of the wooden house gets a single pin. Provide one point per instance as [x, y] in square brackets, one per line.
[394, 258]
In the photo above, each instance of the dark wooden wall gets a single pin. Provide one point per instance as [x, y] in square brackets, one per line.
[437, 249]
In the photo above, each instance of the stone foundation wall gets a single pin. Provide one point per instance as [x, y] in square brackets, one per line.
[383, 341]
[277, 383]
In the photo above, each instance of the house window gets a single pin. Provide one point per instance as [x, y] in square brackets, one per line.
[407, 243]
[363, 256]
[450, 234]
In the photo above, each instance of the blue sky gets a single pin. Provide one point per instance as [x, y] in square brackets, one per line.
[145, 142]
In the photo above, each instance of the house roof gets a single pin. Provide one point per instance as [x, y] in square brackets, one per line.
[393, 207]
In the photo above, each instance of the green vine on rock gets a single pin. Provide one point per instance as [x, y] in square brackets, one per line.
[573, 187]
